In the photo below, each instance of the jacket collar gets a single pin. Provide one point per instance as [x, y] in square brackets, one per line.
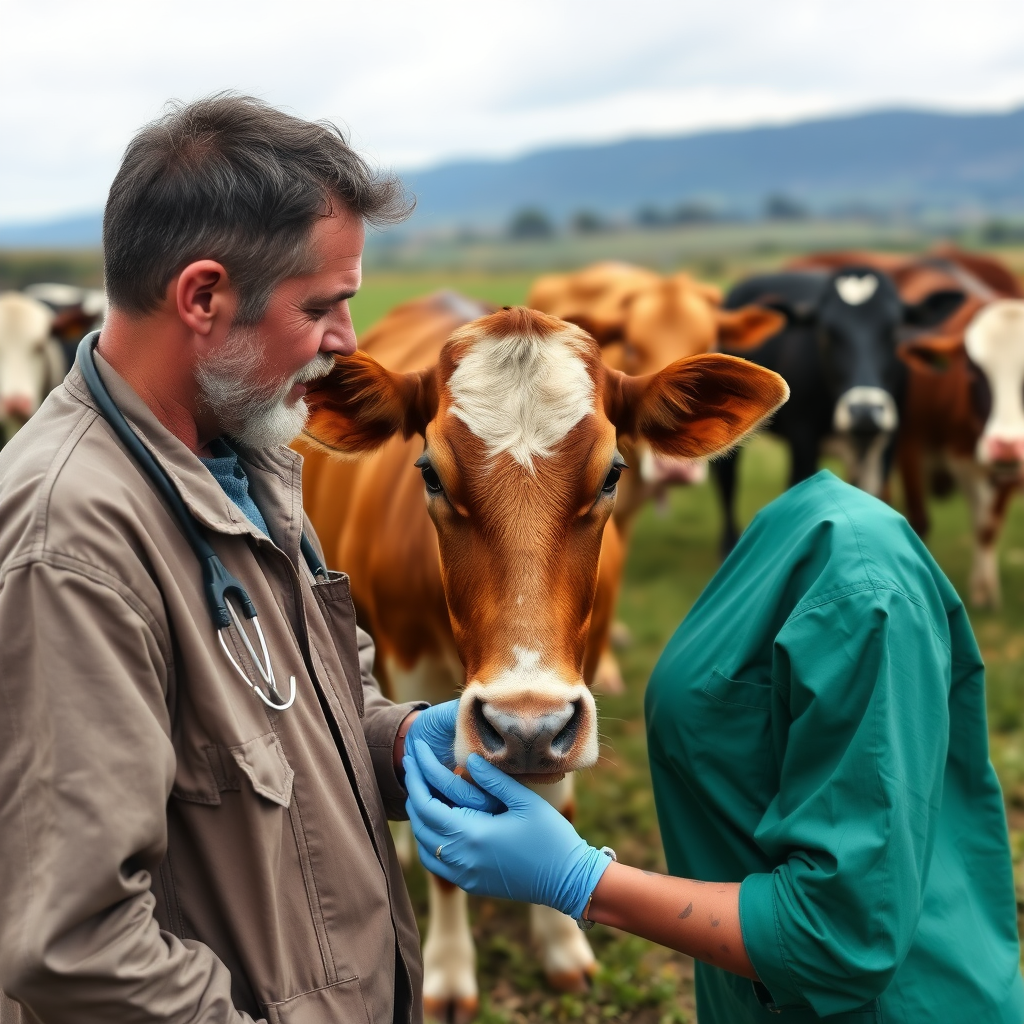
[275, 475]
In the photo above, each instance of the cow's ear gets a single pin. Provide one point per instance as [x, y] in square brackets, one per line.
[696, 407]
[359, 405]
[744, 329]
[932, 354]
[933, 308]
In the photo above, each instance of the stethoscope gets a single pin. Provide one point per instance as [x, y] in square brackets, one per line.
[218, 583]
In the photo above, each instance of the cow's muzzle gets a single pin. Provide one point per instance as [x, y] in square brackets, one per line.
[535, 731]
[865, 412]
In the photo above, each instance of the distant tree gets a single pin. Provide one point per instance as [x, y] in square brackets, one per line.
[587, 222]
[782, 207]
[692, 212]
[531, 223]
[649, 216]
[1002, 232]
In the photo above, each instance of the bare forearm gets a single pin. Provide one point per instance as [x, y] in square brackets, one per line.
[701, 919]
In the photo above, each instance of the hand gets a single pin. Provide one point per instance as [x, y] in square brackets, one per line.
[435, 726]
[528, 853]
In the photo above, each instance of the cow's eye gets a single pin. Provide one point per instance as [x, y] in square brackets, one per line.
[431, 480]
[612, 479]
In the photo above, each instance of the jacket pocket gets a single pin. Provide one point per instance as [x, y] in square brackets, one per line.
[334, 596]
[263, 762]
[341, 1002]
[731, 742]
[740, 692]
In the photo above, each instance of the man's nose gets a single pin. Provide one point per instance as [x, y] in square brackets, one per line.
[340, 336]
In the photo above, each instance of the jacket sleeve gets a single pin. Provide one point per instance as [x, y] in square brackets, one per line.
[853, 823]
[381, 719]
[86, 769]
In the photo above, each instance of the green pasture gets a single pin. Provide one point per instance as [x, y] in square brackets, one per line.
[673, 555]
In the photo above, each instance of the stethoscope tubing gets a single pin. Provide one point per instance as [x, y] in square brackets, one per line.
[218, 583]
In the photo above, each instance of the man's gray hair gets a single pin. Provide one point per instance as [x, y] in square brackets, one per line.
[230, 178]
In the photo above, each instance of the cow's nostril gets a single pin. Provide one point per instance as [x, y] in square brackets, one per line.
[563, 742]
[489, 736]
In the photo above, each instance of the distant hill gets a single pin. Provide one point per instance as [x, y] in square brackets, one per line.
[66, 233]
[914, 162]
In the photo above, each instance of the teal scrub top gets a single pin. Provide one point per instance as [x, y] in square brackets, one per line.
[817, 732]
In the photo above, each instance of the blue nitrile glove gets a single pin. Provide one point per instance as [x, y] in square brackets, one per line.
[528, 853]
[435, 726]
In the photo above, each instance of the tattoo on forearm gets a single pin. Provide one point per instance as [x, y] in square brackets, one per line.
[687, 912]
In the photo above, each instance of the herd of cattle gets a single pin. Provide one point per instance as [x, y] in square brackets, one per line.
[913, 362]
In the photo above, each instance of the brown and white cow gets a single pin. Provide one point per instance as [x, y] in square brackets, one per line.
[521, 425]
[964, 401]
[965, 413]
[31, 362]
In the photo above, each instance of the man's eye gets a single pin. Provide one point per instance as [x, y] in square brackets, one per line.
[316, 314]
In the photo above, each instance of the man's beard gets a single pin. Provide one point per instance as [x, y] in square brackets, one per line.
[230, 388]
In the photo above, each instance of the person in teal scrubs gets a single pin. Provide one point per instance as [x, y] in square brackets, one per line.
[819, 753]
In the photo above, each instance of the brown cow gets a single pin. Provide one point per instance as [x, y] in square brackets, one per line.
[521, 422]
[964, 404]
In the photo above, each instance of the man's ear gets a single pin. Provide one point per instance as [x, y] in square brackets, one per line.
[697, 407]
[932, 354]
[745, 328]
[933, 308]
[359, 405]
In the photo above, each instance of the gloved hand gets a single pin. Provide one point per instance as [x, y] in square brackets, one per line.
[435, 726]
[528, 852]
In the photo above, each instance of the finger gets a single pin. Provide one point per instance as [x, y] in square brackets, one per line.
[435, 866]
[423, 832]
[459, 792]
[429, 809]
[498, 784]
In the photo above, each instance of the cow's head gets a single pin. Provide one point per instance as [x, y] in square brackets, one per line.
[522, 423]
[990, 357]
[857, 316]
[30, 362]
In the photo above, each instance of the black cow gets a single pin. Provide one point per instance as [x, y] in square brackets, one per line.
[837, 352]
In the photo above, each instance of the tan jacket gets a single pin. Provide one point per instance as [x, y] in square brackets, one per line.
[170, 849]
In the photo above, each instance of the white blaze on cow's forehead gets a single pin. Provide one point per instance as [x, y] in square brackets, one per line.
[995, 342]
[855, 290]
[522, 395]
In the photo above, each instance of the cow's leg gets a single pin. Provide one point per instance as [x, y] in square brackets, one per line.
[910, 456]
[450, 991]
[987, 505]
[724, 470]
[565, 955]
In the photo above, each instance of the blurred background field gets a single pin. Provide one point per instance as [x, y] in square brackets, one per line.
[672, 556]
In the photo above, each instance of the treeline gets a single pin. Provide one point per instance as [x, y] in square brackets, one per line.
[533, 222]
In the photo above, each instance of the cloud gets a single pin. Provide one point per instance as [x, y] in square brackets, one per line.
[421, 83]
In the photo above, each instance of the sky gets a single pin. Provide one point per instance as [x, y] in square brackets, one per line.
[419, 83]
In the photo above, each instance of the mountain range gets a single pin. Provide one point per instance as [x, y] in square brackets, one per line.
[914, 162]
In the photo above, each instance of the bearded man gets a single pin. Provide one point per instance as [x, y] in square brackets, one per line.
[173, 848]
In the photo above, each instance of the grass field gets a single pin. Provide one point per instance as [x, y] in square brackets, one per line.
[672, 557]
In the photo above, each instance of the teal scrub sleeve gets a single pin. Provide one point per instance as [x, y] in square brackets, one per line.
[865, 678]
